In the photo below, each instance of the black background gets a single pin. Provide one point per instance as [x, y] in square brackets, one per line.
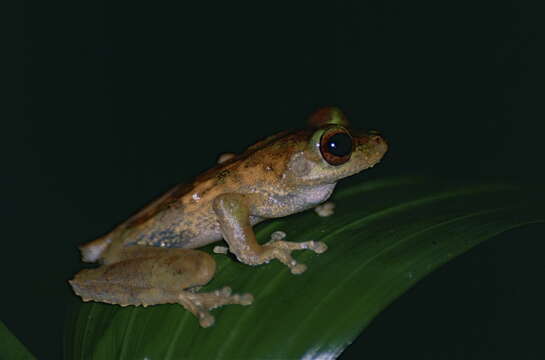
[123, 101]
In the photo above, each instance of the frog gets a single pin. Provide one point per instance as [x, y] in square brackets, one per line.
[154, 258]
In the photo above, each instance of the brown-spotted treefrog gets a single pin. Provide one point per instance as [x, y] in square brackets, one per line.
[149, 259]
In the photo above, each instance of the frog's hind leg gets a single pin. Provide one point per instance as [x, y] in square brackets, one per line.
[149, 276]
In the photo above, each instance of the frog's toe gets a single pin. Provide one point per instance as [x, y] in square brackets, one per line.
[205, 319]
[242, 299]
[220, 250]
[281, 250]
[298, 269]
[318, 246]
[295, 267]
[224, 292]
[245, 299]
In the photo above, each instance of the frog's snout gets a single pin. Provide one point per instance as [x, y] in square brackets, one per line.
[373, 145]
[379, 140]
[371, 139]
[376, 137]
[380, 145]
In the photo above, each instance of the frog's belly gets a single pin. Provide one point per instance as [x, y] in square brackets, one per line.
[304, 198]
[173, 230]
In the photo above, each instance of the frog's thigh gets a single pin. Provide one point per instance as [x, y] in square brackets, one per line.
[233, 212]
[149, 276]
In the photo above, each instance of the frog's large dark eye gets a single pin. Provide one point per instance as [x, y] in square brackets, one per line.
[336, 146]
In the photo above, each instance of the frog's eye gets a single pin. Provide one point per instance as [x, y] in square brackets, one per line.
[336, 146]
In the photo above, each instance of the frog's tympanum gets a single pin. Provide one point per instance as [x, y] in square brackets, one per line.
[149, 260]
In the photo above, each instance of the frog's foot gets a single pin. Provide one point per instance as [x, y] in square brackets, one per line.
[220, 250]
[276, 248]
[233, 214]
[281, 250]
[200, 304]
[151, 276]
[326, 209]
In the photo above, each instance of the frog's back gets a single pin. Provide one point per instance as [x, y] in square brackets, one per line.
[184, 217]
[262, 163]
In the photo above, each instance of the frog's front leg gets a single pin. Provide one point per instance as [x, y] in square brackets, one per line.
[233, 212]
[148, 276]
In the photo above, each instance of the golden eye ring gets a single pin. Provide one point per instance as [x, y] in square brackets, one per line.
[336, 146]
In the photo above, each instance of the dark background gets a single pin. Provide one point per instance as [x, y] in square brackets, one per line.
[123, 101]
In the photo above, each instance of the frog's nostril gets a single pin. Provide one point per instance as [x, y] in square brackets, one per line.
[377, 139]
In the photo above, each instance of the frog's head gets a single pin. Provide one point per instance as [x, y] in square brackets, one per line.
[335, 151]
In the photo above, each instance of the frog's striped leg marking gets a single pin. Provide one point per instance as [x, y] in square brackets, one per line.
[233, 214]
[149, 276]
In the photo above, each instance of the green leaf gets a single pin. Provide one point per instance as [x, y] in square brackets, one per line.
[10, 347]
[384, 236]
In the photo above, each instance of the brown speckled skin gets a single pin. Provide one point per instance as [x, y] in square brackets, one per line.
[187, 209]
[279, 176]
